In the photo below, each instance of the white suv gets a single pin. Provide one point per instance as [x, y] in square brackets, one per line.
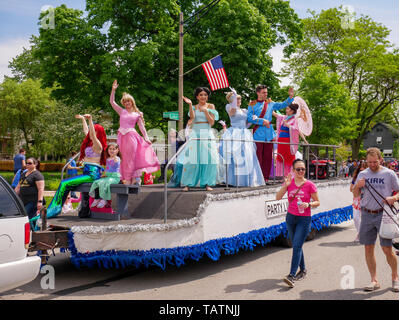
[16, 268]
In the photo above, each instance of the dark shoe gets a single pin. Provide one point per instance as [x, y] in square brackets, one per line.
[289, 280]
[301, 275]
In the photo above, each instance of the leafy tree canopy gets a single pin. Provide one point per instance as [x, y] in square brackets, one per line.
[362, 57]
[136, 42]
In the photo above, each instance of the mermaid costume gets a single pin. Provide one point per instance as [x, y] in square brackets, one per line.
[104, 184]
[91, 172]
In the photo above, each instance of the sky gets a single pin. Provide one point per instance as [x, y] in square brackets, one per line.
[19, 20]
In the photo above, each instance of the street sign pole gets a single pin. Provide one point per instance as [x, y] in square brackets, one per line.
[181, 35]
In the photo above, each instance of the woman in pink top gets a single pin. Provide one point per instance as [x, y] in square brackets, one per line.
[137, 153]
[302, 196]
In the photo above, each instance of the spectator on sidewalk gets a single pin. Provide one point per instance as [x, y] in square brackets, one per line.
[352, 168]
[344, 171]
[31, 188]
[19, 160]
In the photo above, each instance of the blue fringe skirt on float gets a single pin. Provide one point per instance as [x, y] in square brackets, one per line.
[213, 249]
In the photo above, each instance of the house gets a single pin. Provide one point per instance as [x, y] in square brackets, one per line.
[382, 136]
[6, 147]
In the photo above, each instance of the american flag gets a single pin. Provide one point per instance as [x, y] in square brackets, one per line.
[215, 73]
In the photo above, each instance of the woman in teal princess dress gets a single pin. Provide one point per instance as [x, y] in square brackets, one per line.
[199, 163]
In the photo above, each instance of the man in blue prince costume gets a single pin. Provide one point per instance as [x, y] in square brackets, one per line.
[260, 113]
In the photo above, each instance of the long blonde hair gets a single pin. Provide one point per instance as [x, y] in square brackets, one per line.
[126, 96]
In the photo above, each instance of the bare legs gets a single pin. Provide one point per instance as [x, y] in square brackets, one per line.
[372, 264]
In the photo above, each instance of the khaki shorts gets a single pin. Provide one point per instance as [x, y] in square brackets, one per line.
[369, 229]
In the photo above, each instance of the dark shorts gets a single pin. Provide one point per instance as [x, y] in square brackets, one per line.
[369, 229]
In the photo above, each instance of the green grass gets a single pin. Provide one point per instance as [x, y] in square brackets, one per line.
[53, 179]
[48, 200]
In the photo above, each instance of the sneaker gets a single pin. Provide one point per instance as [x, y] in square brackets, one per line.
[301, 275]
[395, 286]
[102, 203]
[95, 203]
[289, 280]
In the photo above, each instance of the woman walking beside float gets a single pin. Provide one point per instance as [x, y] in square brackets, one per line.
[137, 153]
[302, 196]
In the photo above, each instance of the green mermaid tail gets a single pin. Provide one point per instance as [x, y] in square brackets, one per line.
[91, 172]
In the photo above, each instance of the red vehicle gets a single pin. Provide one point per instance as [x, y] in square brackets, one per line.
[324, 169]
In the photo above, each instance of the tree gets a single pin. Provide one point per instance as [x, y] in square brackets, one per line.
[23, 103]
[137, 43]
[62, 133]
[26, 66]
[363, 58]
[70, 59]
[330, 105]
[47, 127]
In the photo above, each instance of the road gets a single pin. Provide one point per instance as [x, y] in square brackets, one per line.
[337, 271]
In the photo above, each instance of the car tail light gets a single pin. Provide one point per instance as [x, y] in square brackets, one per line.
[27, 235]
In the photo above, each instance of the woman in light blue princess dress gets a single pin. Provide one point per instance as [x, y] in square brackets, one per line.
[243, 167]
[199, 163]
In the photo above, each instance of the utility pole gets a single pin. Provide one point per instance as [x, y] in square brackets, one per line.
[197, 17]
[181, 35]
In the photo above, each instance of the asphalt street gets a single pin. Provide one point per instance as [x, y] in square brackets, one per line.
[336, 266]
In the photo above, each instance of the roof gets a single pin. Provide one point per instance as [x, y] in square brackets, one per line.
[392, 129]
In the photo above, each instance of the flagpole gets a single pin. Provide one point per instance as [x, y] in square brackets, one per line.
[181, 35]
[201, 64]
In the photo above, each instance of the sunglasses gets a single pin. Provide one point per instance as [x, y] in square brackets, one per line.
[29, 163]
[300, 169]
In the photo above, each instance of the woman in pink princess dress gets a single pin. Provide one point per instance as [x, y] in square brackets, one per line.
[137, 153]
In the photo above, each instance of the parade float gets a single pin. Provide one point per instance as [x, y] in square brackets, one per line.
[158, 226]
